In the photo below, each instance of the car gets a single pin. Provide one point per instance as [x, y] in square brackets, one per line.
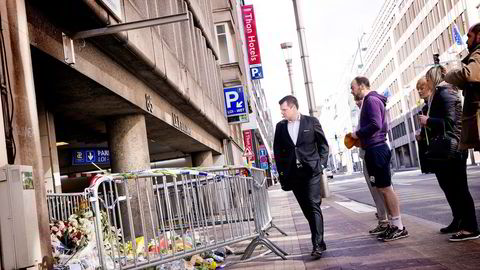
[329, 173]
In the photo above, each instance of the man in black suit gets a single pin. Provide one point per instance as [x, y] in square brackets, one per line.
[301, 153]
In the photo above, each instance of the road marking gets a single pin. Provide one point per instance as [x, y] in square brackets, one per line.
[353, 180]
[357, 207]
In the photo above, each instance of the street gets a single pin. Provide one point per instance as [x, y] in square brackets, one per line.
[419, 194]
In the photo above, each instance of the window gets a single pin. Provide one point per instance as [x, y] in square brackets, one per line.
[448, 4]
[225, 45]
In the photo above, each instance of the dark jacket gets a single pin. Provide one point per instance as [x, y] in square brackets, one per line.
[445, 114]
[311, 149]
[373, 125]
[425, 165]
[468, 79]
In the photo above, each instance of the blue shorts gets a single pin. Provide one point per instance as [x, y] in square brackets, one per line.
[377, 160]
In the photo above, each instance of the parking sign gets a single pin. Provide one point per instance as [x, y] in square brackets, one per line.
[235, 103]
[256, 72]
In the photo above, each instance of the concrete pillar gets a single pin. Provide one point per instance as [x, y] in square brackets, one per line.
[48, 140]
[127, 140]
[25, 122]
[202, 159]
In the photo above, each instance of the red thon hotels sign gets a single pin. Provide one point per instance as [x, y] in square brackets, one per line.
[251, 35]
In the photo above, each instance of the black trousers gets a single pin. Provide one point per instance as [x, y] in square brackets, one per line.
[452, 177]
[307, 192]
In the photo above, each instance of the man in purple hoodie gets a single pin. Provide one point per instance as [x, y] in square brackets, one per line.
[372, 134]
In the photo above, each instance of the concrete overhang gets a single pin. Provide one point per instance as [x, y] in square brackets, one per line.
[81, 107]
[168, 80]
[231, 74]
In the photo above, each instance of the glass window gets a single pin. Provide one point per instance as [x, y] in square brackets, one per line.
[435, 15]
[448, 5]
[442, 8]
[225, 45]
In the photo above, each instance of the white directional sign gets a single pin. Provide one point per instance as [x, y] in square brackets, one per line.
[235, 103]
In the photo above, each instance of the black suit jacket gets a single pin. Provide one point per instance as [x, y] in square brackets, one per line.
[311, 149]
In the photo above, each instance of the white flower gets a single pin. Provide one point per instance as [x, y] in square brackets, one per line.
[61, 226]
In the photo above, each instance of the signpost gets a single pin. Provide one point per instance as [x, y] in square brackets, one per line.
[253, 47]
[88, 156]
[248, 143]
[235, 103]
[263, 154]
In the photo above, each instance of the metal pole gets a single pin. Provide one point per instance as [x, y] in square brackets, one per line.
[297, 8]
[290, 75]
[312, 108]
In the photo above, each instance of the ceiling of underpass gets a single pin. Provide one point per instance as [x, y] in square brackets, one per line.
[81, 106]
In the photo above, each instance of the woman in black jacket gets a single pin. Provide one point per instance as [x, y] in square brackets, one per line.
[444, 118]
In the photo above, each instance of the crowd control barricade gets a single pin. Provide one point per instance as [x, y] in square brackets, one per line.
[259, 190]
[62, 205]
[153, 217]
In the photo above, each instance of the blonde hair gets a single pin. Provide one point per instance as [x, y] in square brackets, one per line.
[421, 82]
[436, 74]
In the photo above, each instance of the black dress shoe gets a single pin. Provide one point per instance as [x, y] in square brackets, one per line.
[452, 228]
[318, 250]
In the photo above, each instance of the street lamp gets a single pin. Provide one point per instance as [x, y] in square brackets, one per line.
[359, 52]
[287, 55]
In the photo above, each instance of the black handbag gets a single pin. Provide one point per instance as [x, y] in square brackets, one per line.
[442, 147]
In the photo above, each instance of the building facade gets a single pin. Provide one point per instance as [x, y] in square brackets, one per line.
[128, 100]
[400, 49]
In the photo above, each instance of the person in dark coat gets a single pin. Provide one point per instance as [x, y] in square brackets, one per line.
[424, 92]
[444, 118]
[301, 154]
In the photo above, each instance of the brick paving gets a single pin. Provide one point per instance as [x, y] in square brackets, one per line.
[349, 246]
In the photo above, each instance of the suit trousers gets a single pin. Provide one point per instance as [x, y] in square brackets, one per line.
[452, 178]
[307, 191]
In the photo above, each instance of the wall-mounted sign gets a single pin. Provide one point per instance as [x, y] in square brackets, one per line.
[235, 103]
[114, 6]
[256, 72]
[148, 103]
[181, 125]
[248, 143]
[238, 119]
[253, 47]
[87, 156]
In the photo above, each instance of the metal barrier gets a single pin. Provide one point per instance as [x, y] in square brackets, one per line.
[152, 217]
[63, 205]
[263, 217]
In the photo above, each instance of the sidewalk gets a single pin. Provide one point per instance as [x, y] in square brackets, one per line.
[349, 246]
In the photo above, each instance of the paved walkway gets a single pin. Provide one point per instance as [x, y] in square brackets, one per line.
[349, 246]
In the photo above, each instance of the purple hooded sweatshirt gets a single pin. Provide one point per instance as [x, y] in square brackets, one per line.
[373, 125]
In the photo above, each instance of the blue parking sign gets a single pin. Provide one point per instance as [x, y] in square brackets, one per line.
[256, 72]
[235, 103]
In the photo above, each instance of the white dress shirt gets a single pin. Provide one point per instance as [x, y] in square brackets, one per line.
[293, 127]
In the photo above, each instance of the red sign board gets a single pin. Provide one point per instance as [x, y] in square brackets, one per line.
[248, 143]
[250, 30]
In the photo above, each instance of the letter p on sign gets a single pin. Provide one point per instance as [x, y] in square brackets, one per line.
[256, 72]
[231, 97]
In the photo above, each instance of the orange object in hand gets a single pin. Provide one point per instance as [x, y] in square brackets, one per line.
[350, 142]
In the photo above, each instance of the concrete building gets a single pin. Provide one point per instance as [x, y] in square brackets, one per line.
[235, 71]
[332, 115]
[126, 100]
[400, 48]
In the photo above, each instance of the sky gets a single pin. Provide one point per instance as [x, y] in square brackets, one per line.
[332, 29]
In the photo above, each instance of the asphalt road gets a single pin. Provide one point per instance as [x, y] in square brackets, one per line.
[419, 194]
